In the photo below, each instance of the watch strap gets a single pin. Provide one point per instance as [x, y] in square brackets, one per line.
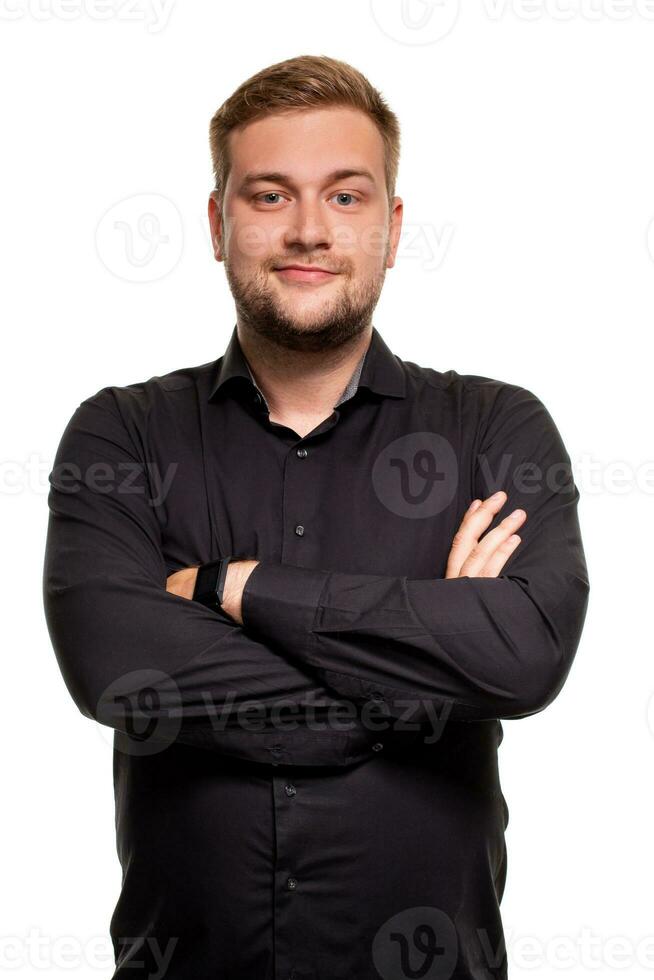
[210, 582]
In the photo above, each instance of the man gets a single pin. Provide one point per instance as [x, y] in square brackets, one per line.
[306, 733]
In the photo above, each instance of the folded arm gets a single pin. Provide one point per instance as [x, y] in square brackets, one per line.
[131, 652]
[485, 647]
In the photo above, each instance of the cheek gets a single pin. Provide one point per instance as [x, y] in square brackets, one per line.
[258, 237]
[365, 268]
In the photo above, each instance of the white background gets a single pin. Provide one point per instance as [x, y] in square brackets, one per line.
[526, 174]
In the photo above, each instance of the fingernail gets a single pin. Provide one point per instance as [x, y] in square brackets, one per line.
[496, 496]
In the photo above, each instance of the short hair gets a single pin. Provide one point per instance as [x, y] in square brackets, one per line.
[304, 82]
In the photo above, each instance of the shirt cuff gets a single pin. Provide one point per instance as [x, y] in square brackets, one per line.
[281, 603]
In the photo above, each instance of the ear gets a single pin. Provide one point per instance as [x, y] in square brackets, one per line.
[397, 211]
[216, 225]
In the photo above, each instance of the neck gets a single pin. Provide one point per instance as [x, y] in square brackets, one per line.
[301, 382]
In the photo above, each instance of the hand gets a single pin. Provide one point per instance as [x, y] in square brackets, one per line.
[182, 582]
[486, 558]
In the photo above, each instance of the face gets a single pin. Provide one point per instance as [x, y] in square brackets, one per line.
[307, 188]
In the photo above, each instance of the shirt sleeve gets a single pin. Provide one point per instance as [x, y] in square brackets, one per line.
[136, 657]
[482, 648]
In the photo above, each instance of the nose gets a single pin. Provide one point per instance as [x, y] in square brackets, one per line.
[307, 228]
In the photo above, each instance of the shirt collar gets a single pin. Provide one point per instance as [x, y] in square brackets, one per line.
[380, 371]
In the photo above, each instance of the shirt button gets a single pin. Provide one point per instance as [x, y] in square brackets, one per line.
[290, 789]
[377, 746]
[376, 696]
[301, 453]
[291, 883]
[299, 530]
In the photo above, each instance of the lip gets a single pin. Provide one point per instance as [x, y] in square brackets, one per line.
[298, 273]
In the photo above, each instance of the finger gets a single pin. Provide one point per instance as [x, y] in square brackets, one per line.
[500, 556]
[483, 551]
[475, 522]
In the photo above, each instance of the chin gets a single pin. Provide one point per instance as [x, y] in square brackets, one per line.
[307, 317]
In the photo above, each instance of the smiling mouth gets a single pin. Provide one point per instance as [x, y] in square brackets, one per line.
[292, 274]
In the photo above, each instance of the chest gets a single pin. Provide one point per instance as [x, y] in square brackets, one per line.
[360, 491]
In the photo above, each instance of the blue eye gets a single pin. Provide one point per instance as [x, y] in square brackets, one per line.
[346, 194]
[276, 194]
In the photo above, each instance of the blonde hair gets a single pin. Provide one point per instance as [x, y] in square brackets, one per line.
[305, 82]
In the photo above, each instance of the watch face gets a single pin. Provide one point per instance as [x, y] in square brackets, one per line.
[210, 582]
[206, 580]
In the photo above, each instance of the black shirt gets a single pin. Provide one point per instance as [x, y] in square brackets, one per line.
[314, 794]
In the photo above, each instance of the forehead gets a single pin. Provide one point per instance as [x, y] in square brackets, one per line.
[307, 143]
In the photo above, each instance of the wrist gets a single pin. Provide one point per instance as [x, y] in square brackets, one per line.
[238, 572]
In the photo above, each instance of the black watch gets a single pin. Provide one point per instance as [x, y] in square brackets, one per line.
[210, 582]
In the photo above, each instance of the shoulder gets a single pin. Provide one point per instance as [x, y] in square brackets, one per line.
[482, 404]
[154, 394]
[136, 417]
[487, 392]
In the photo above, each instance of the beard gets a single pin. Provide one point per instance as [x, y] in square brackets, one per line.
[339, 321]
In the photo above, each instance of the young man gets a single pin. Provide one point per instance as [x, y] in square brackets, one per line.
[283, 579]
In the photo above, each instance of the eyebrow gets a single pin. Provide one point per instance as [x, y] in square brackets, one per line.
[274, 177]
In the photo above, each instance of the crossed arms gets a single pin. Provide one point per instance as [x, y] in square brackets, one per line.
[483, 644]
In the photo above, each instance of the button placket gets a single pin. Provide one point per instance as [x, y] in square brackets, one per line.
[287, 874]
